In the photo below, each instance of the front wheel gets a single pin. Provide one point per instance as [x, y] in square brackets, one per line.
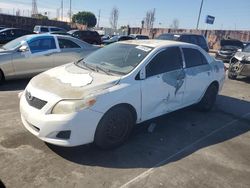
[1, 77]
[209, 98]
[114, 128]
[231, 75]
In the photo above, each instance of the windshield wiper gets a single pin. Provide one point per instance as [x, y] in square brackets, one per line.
[103, 70]
[84, 65]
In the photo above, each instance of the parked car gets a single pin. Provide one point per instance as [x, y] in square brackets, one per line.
[228, 49]
[32, 54]
[91, 37]
[60, 33]
[9, 34]
[116, 39]
[102, 97]
[240, 64]
[139, 37]
[199, 40]
[105, 37]
[46, 29]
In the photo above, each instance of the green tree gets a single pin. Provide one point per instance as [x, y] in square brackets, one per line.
[86, 18]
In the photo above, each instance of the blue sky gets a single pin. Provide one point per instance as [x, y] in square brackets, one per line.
[230, 14]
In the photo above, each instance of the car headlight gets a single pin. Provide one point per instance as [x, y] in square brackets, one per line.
[71, 106]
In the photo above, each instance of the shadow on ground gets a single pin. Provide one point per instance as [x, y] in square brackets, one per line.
[244, 79]
[174, 132]
[14, 85]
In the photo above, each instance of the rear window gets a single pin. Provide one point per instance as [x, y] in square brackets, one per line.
[166, 37]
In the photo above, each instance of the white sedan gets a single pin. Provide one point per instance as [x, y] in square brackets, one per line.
[101, 98]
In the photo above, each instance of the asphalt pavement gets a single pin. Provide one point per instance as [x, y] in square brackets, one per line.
[182, 149]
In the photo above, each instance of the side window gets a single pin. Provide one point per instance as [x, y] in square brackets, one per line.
[185, 38]
[167, 60]
[202, 41]
[44, 29]
[193, 40]
[41, 45]
[193, 57]
[64, 43]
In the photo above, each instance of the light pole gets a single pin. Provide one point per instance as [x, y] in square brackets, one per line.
[70, 12]
[198, 21]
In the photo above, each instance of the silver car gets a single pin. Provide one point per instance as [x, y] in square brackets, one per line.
[32, 54]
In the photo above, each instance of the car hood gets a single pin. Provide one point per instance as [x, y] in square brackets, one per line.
[229, 48]
[72, 82]
[235, 43]
[242, 56]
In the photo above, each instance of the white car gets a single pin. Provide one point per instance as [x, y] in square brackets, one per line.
[102, 97]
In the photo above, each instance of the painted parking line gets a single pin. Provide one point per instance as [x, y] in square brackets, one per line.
[151, 170]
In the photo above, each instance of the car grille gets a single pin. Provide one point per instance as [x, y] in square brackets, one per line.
[34, 102]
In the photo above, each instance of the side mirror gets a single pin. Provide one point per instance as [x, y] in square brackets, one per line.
[239, 50]
[23, 48]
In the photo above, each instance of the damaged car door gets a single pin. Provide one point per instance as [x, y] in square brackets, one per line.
[198, 75]
[163, 88]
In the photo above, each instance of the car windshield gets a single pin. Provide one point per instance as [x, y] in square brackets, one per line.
[14, 43]
[247, 48]
[118, 58]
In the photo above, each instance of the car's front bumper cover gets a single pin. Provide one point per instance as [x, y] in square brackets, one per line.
[82, 125]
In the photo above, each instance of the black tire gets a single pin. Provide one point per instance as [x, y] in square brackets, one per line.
[114, 127]
[209, 98]
[1, 77]
[231, 75]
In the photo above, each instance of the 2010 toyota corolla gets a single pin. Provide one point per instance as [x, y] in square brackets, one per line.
[100, 98]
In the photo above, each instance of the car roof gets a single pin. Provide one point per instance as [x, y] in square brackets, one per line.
[154, 43]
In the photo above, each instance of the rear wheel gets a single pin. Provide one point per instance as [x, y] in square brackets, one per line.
[209, 98]
[114, 127]
[1, 77]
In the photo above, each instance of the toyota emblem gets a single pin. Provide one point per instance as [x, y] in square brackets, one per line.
[29, 96]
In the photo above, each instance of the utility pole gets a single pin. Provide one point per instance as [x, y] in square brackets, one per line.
[62, 10]
[70, 11]
[198, 21]
[99, 15]
[34, 10]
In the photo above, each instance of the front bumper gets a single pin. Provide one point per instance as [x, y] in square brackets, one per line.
[82, 125]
